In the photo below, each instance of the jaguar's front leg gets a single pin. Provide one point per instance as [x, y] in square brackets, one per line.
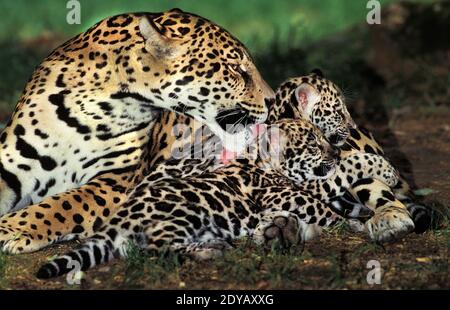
[291, 217]
[391, 220]
[75, 213]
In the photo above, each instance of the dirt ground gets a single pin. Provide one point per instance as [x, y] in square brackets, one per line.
[337, 261]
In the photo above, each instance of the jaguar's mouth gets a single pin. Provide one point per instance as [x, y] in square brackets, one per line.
[234, 120]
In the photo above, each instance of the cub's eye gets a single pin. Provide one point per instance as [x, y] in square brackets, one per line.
[311, 137]
[316, 150]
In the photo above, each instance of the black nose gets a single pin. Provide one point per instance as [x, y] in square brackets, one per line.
[336, 152]
[333, 153]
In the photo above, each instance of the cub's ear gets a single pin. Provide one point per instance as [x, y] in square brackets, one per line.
[307, 96]
[317, 72]
[156, 40]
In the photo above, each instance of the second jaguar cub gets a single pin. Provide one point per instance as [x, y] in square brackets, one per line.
[388, 212]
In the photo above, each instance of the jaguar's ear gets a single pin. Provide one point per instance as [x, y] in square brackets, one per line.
[307, 96]
[317, 72]
[156, 40]
[176, 10]
[150, 30]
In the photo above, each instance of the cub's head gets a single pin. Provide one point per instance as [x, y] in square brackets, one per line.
[316, 100]
[300, 151]
[193, 66]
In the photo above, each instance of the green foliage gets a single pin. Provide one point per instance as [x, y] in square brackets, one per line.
[246, 19]
[341, 228]
[135, 257]
[16, 66]
[278, 33]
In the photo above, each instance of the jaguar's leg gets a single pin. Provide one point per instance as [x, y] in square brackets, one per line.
[391, 219]
[292, 217]
[75, 213]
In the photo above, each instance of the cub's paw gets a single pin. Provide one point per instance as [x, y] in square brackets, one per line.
[208, 250]
[14, 241]
[283, 227]
[389, 224]
[277, 226]
[356, 225]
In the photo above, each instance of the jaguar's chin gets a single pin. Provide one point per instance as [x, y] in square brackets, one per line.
[237, 141]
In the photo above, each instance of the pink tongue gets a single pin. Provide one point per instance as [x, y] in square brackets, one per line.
[257, 130]
[226, 156]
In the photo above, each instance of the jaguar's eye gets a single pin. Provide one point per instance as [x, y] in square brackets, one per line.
[239, 71]
[236, 68]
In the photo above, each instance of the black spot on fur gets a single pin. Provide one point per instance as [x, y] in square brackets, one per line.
[363, 195]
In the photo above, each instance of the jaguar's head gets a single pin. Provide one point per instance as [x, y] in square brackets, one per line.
[317, 100]
[195, 67]
[300, 151]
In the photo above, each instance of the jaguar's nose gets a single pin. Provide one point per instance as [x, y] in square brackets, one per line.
[336, 152]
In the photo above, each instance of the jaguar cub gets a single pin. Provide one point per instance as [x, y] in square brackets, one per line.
[388, 212]
[195, 209]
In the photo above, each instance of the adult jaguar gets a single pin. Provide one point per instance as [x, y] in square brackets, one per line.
[79, 137]
[320, 101]
[196, 213]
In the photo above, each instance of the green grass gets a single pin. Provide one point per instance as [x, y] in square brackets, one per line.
[247, 262]
[154, 266]
[252, 264]
[340, 228]
[3, 264]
